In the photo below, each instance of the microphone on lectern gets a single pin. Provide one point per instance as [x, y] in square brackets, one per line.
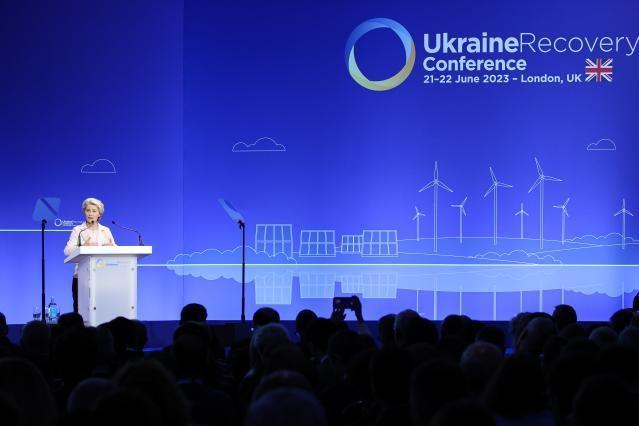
[140, 242]
[80, 234]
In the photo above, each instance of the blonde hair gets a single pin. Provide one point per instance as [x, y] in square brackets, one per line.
[94, 202]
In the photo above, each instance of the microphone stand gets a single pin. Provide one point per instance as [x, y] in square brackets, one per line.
[237, 218]
[43, 225]
[242, 226]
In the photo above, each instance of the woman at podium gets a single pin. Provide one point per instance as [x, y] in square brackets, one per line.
[89, 233]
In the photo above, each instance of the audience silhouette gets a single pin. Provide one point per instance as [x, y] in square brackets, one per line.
[545, 370]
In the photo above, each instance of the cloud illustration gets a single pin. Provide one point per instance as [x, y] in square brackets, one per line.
[101, 165]
[608, 239]
[520, 256]
[602, 145]
[212, 264]
[264, 144]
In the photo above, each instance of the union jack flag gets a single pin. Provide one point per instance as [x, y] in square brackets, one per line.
[597, 70]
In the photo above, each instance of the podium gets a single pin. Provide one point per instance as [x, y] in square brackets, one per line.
[107, 281]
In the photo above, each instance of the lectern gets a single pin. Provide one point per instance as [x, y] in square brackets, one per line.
[107, 281]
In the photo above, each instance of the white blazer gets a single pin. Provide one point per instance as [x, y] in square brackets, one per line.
[102, 236]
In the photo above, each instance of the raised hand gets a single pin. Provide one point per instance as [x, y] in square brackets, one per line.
[357, 308]
[338, 315]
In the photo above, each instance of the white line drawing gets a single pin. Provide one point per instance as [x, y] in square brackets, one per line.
[263, 144]
[99, 166]
[317, 285]
[540, 183]
[623, 212]
[379, 243]
[379, 285]
[597, 238]
[564, 215]
[540, 258]
[521, 213]
[435, 184]
[213, 256]
[274, 238]
[602, 145]
[351, 244]
[317, 243]
[563, 250]
[452, 256]
[273, 289]
[212, 264]
[418, 214]
[462, 211]
[351, 283]
[493, 189]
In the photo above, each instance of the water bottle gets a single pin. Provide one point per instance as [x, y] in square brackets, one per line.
[53, 312]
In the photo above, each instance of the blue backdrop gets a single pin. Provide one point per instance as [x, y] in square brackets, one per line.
[185, 102]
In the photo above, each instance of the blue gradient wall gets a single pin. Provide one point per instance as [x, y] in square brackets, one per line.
[173, 93]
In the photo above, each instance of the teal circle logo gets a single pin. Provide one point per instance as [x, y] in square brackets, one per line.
[409, 50]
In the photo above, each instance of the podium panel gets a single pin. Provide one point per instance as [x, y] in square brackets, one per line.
[107, 288]
[107, 281]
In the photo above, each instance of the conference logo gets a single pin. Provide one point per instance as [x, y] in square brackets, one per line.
[409, 50]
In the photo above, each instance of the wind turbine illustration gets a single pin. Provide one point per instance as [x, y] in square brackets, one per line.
[435, 184]
[493, 188]
[564, 215]
[418, 214]
[623, 212]
[460, 206]
[521, 213]
[540, 183]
